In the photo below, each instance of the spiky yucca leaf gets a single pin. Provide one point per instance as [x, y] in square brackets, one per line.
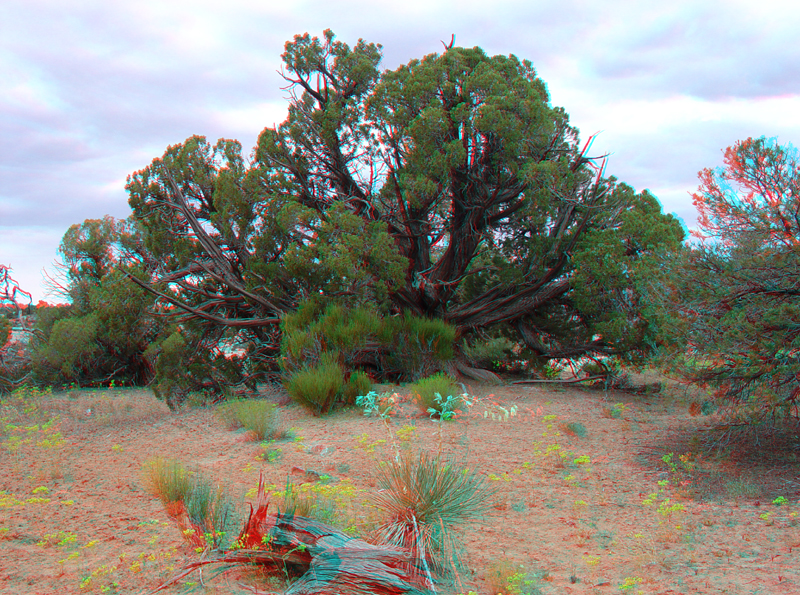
[425, 499]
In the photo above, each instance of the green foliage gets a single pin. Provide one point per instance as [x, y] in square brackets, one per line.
[5, 332]
[575, 428]
[311, 332]
[168, 479]
[426, 500]
[445, 198]
[372, 402]
[207, 507]
[431, 392]
[731, 301]
[407, 346]
[419, 346]
[102, 336]
[170, 384]
[614, 268]
[488, 353]
[359, 383]
[317, 387]
[260, 418]
[506, 578]
[71, 354]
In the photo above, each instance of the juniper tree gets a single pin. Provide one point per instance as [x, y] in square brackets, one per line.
[447, 188]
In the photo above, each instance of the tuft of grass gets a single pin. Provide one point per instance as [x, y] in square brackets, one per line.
[430, 393]
[359, 383]
[260, 418]
[316, 388]
[426, 499]
[574, 428]
[743, 487]
[204, 512]
[167, 479]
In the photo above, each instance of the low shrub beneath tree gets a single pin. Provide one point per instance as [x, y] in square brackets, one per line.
[317, 387]
[431, 392]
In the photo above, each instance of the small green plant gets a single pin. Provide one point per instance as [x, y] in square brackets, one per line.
[376, 404]
[317, 387]
[260, 418]
[574, 428]
[207, 508]
[617, 411]
[426, 391]
[447, 408]
[359, 383]
[630, 583]
[269, 453]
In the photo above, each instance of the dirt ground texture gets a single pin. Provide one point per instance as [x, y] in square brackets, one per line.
[575, 512]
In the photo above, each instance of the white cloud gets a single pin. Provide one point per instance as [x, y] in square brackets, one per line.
[91, 91]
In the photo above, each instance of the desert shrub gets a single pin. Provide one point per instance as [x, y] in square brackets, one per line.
[71, 353]
[311, 332]
[317, 387]
[488, 353]
[407, 347]
[431, 392]
[508, 578]
[15, 360]
[358, 384]
[425, 500]
[208, 509]
[260, 418]
[171, 383]
[167, 479]
[419, 346]
[574, 428]
[5, 331]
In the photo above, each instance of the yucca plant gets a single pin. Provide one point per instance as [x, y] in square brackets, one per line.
[426, 499]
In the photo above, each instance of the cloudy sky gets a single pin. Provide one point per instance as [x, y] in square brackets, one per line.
[91, 91]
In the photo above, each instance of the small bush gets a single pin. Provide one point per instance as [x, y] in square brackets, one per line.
[511, 579]
[260, 418]
[427, 390]
[208, 510]
[358, 384]
[488, 353]
[574, 428]
[167, 479]
[317, 387]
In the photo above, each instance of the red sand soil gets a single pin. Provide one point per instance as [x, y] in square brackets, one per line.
[76, 517]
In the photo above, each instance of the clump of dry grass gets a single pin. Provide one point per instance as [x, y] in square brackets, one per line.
[260, 418]
[203, 511]
[107, 407]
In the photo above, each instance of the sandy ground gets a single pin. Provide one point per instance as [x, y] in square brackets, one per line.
[574, 514]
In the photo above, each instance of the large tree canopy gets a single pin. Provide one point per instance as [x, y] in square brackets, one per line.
[735, 296]
[448, 188]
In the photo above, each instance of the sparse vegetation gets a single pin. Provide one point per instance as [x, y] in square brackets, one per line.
[433, 392]
[317, 387]
[260, 418]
